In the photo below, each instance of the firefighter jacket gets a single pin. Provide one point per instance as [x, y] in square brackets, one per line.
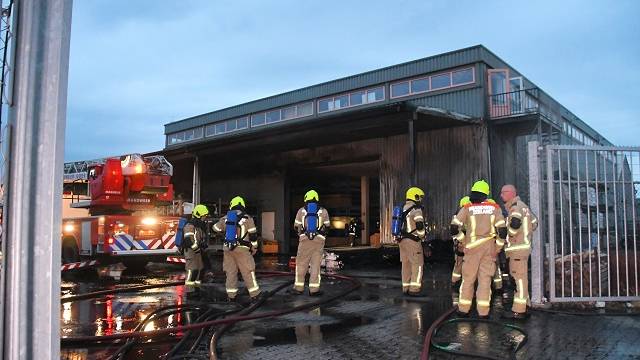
[414, 224]
[521, 224]
[483, 223]
[299, 224]
[246, 228]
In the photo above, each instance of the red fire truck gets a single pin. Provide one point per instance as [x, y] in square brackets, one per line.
[119, 210]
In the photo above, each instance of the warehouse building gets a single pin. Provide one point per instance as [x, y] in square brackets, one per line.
[439, 122]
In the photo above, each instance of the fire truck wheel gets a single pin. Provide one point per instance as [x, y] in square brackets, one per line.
[70, 253]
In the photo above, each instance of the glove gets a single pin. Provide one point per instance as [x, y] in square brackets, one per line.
[428, 250]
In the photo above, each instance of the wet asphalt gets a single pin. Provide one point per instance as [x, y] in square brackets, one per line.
[374, 322]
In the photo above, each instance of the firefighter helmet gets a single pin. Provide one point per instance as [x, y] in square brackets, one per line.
[311, 195]
[481, 186]
[464, 201]
[415, 194]
[200, 211]
[236, 201]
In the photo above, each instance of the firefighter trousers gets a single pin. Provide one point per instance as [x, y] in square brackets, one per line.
[240, 259]
[456, 273]
[518, 264]
[309, 258]
[497, 278]
[412, 265]
[479, 264]
[193, 266]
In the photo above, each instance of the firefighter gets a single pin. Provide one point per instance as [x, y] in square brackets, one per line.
[458, 247]
[354, 230]
[486, 232]
[312, 225]
[521, 224]
[192, 245]
[240, 244]
[413, 234]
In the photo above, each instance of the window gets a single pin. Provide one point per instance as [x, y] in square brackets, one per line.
[258, 119]
[341, 101]
[376, 94]
[289, 113]
[462, 77]
[420, 85]
[176, 138]
[400, 89]
[273, 116]
[210, 130]
[325, 105]
[305, 109]
[221, 128]
[243, 123]
[188, 135]
[440, 81]
[357, 98]
[231, 125]
[197, 133]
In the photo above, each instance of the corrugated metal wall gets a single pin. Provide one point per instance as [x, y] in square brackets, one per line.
[394, 180]
[469, 102]
[448, 162]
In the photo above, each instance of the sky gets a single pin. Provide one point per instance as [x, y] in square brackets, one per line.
[137, 65]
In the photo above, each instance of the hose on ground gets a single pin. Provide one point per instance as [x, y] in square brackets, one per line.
[440, 322]
[220, 331]
[166, 310]
[355, 284]
[95, 294]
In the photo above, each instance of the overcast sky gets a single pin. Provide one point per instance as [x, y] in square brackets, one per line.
[137, 65]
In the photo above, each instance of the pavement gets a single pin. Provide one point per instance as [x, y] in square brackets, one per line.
[378, 322]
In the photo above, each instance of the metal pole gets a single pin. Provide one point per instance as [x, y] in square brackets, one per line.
[195, 198]
[537, 251]
[412, 149]
[551, 218]
[36, 130]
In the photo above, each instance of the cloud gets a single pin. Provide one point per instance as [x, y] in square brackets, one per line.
[139, 65]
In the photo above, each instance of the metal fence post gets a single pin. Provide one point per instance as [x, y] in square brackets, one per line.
[537, 251]
[31, 303]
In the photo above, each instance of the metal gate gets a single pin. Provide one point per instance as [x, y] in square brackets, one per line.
[592, 231]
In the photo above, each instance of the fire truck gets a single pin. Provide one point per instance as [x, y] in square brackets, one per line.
[119, 209]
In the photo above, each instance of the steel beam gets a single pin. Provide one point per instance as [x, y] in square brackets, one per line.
[37, 116]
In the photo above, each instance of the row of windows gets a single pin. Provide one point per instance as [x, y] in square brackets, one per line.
[434, 82]
[182, 136]
[288, 113]
[356, 98]
[578, 135]
[227, 126]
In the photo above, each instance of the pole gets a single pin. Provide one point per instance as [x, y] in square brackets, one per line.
[34, 183]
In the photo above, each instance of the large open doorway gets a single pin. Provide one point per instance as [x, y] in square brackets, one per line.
[349, 191]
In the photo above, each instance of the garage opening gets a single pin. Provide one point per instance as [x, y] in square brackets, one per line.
[349, 192]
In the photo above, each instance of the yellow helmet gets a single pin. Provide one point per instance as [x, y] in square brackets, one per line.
[311, 195]
[415, 194]
[236, 201]
[200, 211]
[481, 186]
[464, 201]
